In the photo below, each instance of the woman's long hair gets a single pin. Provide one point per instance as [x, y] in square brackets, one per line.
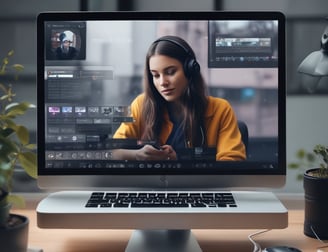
[194, 101]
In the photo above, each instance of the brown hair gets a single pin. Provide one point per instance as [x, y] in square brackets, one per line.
[194, 99]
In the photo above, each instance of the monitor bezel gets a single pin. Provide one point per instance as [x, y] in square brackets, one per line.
[256, 174]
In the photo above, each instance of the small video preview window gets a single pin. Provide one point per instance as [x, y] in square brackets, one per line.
[65, 40]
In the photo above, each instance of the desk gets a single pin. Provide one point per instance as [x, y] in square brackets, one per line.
[76, 240]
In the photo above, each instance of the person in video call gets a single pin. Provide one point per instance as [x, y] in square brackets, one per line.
[65, 51]
[174, 111]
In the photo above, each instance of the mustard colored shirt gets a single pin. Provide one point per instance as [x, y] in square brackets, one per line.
[221, 128]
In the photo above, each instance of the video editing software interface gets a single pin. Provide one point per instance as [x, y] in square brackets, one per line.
[93, 70]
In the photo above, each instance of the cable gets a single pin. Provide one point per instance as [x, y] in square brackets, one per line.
[318, 238]
[257, 247]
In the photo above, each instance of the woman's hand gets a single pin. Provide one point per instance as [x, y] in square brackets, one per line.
[170, 152]
[149, 152]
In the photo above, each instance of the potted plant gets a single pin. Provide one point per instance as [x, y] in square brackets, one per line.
[15, 149]
[315, 183]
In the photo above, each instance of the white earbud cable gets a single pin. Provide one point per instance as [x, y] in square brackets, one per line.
[257, 247]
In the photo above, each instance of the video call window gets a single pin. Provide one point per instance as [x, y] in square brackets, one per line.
[88, 101]
[235, 43]
[65, 40]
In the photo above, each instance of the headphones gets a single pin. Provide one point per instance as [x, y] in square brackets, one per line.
[190, 65]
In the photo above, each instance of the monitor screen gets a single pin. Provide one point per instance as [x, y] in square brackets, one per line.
[161, 100]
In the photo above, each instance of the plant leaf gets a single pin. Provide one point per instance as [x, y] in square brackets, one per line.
[23, 134]
[15, 109]
[2, 181]
[30, 146]
[18, 67]
[5, 166]
[6, 132]
[310, 157]
[300, 153]
[16, 200]
[10, 53]
[293, 165]
[6, 148]
[28, 160]
[300, 177]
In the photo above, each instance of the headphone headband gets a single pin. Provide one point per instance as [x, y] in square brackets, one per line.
[190, 66]
[170, 39]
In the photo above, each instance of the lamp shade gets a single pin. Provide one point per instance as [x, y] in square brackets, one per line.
[315, 65]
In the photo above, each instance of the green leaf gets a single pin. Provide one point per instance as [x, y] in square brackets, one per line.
[16, 200]
[310, 157]
[4, 202]
[293, 165]
[6, 60]
[6, 147]
[6, 132]
[9, 123]
[15, 109]
[300, 153]
[23, 134]
[5, 166]
[2, 181]
[18, 67]
[10, 53]
[4, 97]
[300, 177]
[28, 160]
[30, 146]
[20, 130]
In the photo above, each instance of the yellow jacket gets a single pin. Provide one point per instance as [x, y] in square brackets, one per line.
[221, 128]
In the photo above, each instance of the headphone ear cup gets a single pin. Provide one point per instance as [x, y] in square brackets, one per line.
[191, 67]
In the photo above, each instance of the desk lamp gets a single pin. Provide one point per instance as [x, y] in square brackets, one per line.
[315, 65]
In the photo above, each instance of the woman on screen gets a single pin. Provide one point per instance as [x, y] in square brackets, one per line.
[174, 113]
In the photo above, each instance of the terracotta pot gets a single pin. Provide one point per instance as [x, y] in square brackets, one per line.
[14, 237]
[316, 206]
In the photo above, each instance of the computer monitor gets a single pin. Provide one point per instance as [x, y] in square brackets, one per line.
[91, 68]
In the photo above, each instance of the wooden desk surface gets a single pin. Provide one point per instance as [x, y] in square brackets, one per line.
[77, 240]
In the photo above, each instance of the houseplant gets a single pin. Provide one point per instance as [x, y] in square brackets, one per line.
[315, 183]
[15, 149]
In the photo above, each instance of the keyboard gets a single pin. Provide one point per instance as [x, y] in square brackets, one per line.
[165, 209]
[160, 200]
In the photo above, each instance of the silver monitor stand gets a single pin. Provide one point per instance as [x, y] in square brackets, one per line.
[163, 241]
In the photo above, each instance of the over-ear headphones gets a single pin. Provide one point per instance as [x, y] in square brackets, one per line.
[190, 65]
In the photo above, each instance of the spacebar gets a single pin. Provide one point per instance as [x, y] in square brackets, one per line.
[159, 205]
